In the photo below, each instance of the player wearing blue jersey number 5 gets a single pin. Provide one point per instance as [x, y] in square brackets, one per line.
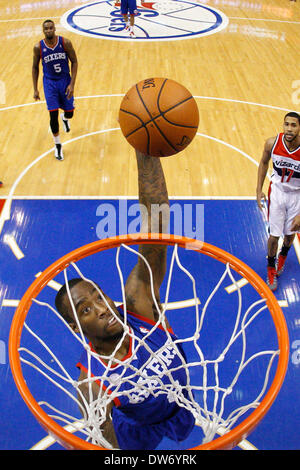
[55, 53]
[139, 418]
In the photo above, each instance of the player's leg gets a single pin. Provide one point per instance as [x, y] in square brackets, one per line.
[287, 243]
[52, 100]
[124, 13]
[127, 27]
[65, 116]
[292, 209]
[131, 31]
[271, 267]
[132, 12]
[54, 125]
[276, 228]
[67, 104]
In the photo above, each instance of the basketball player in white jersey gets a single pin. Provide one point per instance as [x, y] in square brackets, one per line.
[284, 192]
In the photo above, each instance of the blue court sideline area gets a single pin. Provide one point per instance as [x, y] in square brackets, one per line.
[43, 230]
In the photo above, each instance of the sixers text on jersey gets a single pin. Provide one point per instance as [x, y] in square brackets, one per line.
[55, 60]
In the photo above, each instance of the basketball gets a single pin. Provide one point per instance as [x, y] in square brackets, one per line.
[159, 117]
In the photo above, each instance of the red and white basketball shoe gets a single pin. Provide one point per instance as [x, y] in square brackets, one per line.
[280, 264]
[272, 278]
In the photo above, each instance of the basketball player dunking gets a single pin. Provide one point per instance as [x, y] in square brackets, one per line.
[143, 415]
[284, 192]
[55, 53]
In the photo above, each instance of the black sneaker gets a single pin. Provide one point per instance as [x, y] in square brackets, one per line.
[59, 152]
[65, 123]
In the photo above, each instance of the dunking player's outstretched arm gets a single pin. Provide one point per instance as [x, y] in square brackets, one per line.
[152, 195]
[154, 203]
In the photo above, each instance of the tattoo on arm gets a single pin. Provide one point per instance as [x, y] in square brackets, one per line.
[153, 197]
[152, 185]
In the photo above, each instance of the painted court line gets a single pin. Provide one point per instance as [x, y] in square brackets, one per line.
[234, 287]
[53, 284]
[11, 242]
[10, 303]
[5, 214]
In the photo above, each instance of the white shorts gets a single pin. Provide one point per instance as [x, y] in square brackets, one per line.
[283, 206]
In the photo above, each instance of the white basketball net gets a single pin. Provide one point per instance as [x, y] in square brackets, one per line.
[212, 419]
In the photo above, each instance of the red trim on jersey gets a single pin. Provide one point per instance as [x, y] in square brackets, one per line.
[63, 43]
[147, 320]
[49, 47]
[275, 143]
[127, 355]
[101, 385]
[280, 149]
[2, 201]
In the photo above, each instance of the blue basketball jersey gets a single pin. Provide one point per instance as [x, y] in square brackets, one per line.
[140, 395]
[55, 60]
[128, 6]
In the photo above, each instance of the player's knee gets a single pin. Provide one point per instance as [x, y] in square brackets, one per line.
[273, 242]
[54, 122]
[288, 240]
[69, 114]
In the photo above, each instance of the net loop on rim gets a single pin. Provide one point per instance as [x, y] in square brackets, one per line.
[210, 420]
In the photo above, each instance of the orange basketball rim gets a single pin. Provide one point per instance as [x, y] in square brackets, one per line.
[225, 442]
